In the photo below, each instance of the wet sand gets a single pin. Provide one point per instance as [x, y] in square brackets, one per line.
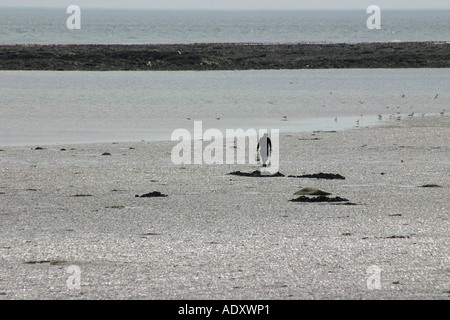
[225, 56]
[221, 236]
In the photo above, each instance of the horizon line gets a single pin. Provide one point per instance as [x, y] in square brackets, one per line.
[223, 9]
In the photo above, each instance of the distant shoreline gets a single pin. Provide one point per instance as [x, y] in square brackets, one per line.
[224, 56]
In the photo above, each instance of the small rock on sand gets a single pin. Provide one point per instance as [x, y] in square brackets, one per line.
[430, 186]
[151, 195]
[320, 175]
[319, 199]
[256, 173]
[311, 192]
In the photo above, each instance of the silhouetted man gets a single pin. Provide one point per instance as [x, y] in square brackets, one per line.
[265, 148]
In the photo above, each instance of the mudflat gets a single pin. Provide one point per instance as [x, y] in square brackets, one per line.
[225, 56]
[73, 210]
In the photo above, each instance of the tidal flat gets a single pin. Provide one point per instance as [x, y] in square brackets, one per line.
[220, 236]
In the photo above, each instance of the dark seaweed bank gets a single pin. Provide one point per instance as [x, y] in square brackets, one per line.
[321, 175]
[321, 198]
[256, 173]
[225, 56]
[154, 194]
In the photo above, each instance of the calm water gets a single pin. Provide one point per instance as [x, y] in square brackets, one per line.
[44, 26]
[38, 107]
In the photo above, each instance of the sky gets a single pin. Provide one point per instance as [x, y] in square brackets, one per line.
[235, 4]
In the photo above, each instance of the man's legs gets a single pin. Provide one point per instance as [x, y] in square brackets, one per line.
[264, 159]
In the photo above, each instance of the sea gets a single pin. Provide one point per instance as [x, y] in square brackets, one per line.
[107, 26]
[55, 107]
